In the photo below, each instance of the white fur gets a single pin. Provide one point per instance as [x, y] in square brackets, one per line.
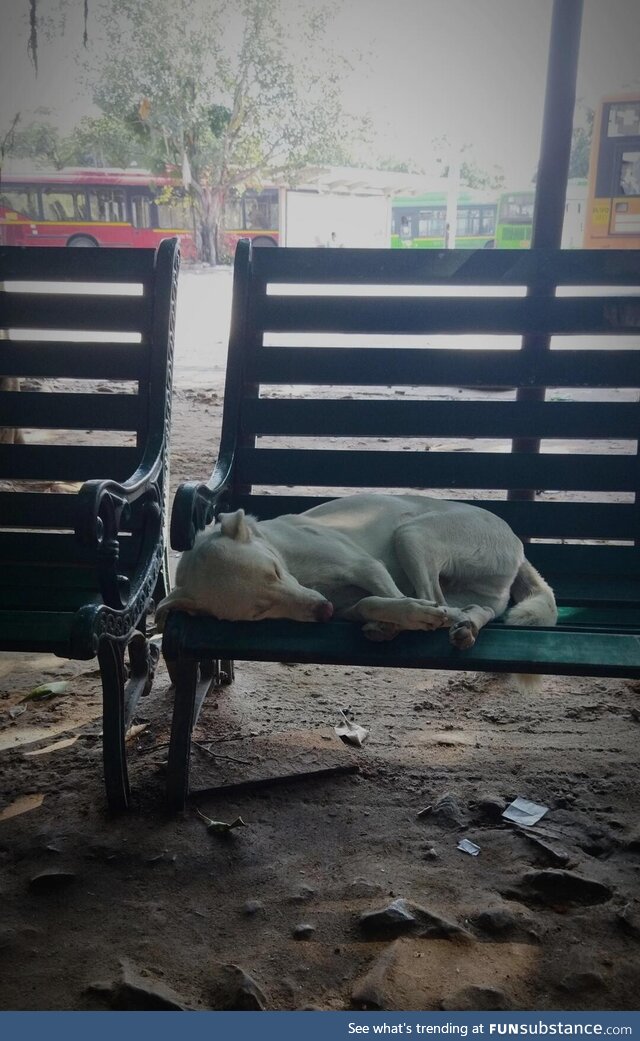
[392, 562]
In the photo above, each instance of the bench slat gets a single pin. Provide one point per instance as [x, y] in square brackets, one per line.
[403, 366]
[498, 648]
[460, 267]
[67, 462]
[432, 315]
[36, 410]
[493, 419]
[62, 360]
[61, 264]
[104, 313]
[425, 470]
[539, 519]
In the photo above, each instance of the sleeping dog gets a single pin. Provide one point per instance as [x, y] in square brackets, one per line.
[390, 562]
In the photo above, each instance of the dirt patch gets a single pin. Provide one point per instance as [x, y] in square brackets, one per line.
[146, 911]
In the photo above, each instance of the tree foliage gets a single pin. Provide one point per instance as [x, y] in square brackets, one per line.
[233, 89]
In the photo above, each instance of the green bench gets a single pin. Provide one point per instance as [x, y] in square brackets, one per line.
[311, 363]
[89, 334]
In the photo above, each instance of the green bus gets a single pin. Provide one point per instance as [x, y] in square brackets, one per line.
[515, 217]
[420, 221]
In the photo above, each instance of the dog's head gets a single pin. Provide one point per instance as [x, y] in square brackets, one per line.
[235, 574]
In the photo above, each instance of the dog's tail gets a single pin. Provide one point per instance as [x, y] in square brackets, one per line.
[534, 604]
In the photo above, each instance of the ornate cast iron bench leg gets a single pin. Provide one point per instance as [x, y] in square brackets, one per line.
[192, 681]
[122, 688]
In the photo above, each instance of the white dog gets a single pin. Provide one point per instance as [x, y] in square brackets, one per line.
[392, 562]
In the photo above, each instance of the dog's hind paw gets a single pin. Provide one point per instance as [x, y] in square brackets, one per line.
[463, 634]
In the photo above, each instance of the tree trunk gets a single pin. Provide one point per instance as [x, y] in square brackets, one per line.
[209, 206]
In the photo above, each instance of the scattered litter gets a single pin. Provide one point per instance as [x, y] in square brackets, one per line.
[135, 731]
[46, 690]
[220, 826]
[523, 812]
[468, 847]
[55, 747]
[349, 732]
[17, 710]
[23, 804]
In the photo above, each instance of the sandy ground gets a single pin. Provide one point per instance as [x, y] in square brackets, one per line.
[148, 911]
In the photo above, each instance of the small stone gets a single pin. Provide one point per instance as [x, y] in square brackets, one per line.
[401, 917]
[447, 812]
[363, 887]
[489, 808]
[302, 894]
[134, 992]
[555, 886]
[252, 907]
[303, 931]
[477, 999]
[629, 921]
[393, 920]
[233, 990]
[581, 982]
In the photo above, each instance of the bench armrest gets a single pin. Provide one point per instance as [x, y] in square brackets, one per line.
[103, 509]
[196, 505]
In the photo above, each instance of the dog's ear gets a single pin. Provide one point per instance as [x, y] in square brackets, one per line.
[234, 526]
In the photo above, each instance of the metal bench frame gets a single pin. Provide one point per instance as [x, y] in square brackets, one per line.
[586, 546]
[81, 570]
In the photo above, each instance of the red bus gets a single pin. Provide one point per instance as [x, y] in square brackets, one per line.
[93, 207]
[253, 214]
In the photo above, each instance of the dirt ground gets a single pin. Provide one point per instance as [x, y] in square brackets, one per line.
[148, 911]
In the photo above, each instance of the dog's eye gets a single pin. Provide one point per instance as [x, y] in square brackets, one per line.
[278, 572]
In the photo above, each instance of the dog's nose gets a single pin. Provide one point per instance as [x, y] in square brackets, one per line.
[324, 611]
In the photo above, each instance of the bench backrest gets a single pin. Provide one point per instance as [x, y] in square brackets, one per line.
[435, 364]
[85, 331]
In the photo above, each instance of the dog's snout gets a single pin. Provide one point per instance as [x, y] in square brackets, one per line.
[324, 611]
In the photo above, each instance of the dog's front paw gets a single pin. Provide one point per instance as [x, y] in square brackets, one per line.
[380, 631]
[424, 614]
[463, 634]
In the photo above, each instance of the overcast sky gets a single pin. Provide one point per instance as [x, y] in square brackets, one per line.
[471, 69]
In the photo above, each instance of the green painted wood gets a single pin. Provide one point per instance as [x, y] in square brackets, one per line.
[33, 510]
[48, 552]
[60, 264]
[497, 648]
[47, 631]
[457, 267]
[403, 366]
[48, 411]
[538, 519]
[426, 470]
[488, 419]
[63, 360]
[67, 462]
[433, 315]
[101, 313]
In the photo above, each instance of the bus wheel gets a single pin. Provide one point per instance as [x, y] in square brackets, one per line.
[491, 244]
[263, 240]
[82, 240]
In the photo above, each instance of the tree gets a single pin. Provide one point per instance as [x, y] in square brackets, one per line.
[581, 145]
[229, 95]
[39, 142]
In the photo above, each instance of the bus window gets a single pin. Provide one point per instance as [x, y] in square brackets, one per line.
[107, 204]
[141, 211]
[176, 213]
[431, 222]
[20, 201]
[64, 204]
